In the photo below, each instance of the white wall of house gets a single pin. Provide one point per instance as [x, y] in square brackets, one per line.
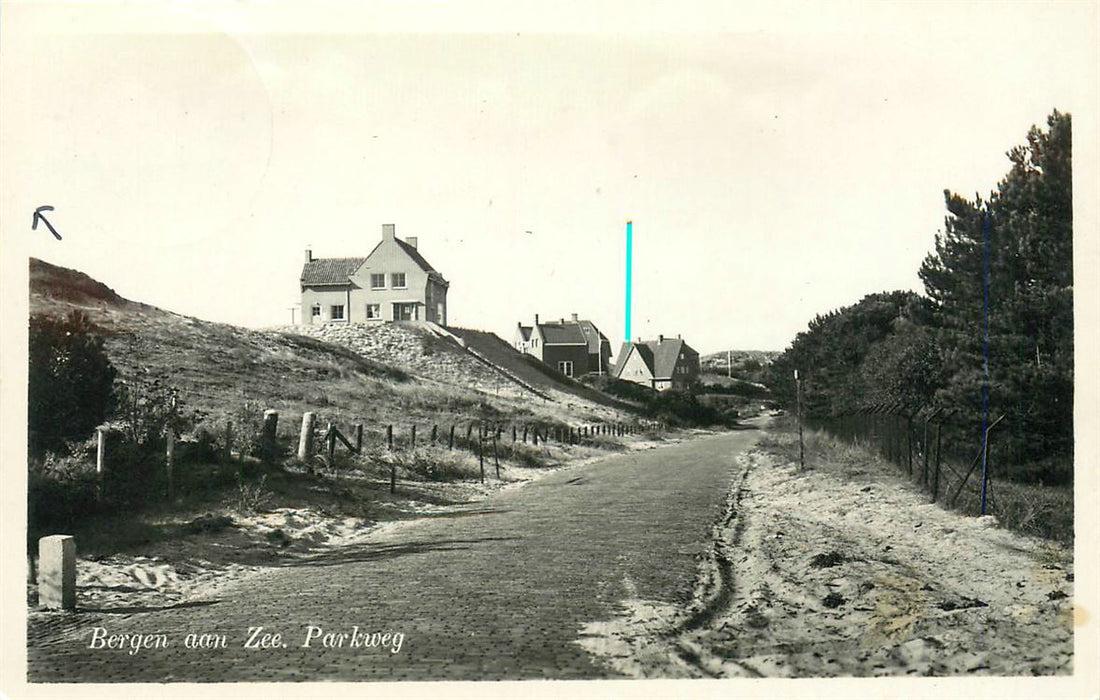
[635, 369]
[324, 298]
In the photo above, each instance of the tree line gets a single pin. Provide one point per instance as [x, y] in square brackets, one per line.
[992, 332]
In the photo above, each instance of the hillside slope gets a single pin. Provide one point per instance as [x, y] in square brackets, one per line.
[220, 368]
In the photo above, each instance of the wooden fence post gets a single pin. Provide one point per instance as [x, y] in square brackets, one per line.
[330, 438]
[496, 457]
[169, 458]
[228, 453]
[435, 432]
[481, 453]
[358, 438]
[525, 435]
[305, 439]
[936, 474]
[268, 442]
[909, 445]
[924, 455]
[389, 437]
[412, 437]
[535, 435]
[514, 435]
[100, 460]
[469, 432]
[451, 438]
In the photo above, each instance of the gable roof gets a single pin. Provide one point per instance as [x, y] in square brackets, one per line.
[561, 334]
[643, 351]
[665, 354]
[525, 332]
[660, 356]
[592, 335]
[329, 271]
[416, 257]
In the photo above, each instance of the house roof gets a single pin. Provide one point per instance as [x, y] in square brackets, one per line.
[561, 334]
[660, 356]
[592, 335]
[665, 354]
[415, 255]
[525, 332]
[324, 271]
[336, 271]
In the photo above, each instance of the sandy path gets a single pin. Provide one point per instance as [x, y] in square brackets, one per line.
[846, 571]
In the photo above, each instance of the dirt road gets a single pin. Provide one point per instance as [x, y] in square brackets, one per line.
[844, 570]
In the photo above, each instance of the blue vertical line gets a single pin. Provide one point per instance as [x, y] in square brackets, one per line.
[985, 354]
[629, 266]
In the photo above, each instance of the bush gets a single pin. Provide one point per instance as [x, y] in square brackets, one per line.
[148, 409]
[61, 492]
[70, 382]
[677, 407]
[433, 465]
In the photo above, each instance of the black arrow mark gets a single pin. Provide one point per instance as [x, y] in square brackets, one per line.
[38, 215]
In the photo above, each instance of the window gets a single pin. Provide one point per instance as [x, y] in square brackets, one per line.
[374, 310]
[566, 368]
[378, 280]
[397, 280]
[337, 312]
[315, 312]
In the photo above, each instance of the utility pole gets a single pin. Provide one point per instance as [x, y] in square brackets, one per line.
[729, 364]
[798, 409]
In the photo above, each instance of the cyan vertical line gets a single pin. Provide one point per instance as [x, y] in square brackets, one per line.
[985, 355]
[629, 268]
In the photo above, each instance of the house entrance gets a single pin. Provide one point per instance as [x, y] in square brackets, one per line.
[406, 311]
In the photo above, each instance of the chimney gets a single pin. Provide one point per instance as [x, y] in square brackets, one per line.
[660, 339]
[411, 240]
[563, 322]
[387, 232]
[536, 319]
[309, 255]
[574, 318]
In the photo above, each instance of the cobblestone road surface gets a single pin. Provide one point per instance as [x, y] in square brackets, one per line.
[498, 590]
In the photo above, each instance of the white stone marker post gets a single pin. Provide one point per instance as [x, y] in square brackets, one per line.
[57, 572]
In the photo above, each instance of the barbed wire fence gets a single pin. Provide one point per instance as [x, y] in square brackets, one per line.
[928, 446]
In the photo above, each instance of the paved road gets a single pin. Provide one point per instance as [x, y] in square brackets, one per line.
[498, 590]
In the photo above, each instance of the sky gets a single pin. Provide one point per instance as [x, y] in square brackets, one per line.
[777, 163]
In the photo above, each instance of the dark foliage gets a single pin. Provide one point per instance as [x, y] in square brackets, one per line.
[70, 383]
[995, 329]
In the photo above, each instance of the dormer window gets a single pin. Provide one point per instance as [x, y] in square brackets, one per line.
[397, 280]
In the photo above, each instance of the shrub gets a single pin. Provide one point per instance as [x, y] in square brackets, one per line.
[148, 408]
[61, 491]
[70, 381]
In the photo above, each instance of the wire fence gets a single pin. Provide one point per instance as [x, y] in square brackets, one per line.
[953, 466]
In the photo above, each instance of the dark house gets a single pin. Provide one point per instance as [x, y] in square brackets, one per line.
[572, 347]
[664, 363]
